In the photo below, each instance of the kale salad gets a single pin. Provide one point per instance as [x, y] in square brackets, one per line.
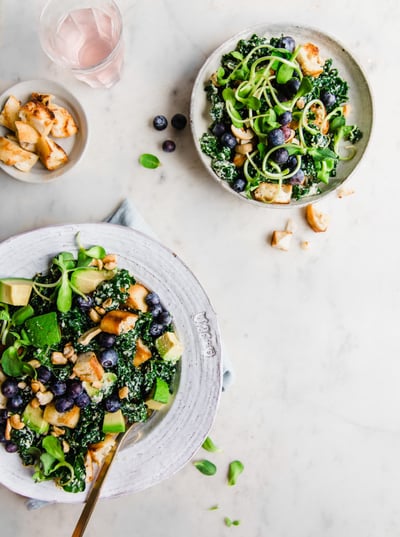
[85, 350]
[278, 127]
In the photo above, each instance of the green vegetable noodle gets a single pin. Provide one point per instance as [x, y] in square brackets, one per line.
[82, 355]
[278, 122]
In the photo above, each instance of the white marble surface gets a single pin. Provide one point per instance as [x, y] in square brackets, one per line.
[314, 413]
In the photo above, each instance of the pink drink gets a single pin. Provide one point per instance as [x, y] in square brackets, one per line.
[89, 42]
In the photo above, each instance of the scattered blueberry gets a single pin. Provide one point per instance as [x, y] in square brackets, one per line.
[74, 388]
[276, 137]
[160, 123]
[164, 318]
[106, 340]
[63, 404]
[285, 118]
[11, 447]
[156, 329]
[291, 87]
[179, 121]
[229, 140]
[112, 403]
[297, 178]
[327, 98]
[152, 298]
[108, 358]
[156, 309]
[84, 304]
[43, 374]
[239, 184]
[58, 387]
[15, 402]
[169, 146]
[218, 129]
[280, 156]
[287, 42]
[9, 388]
[83, 400]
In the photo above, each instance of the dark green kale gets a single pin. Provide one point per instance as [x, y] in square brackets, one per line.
[157, 368]
[28, 443]
[89, 428]
[73, 323]
[116, 289]
[78, 482]
[225, 169]
[134, 412]
[329, 80]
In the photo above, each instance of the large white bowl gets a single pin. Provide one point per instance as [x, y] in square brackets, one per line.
[361, 108]
[170, 439]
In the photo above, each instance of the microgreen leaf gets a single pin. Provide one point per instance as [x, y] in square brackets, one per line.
[213, 508]
[235, 469]
[149, 161]
[209, 445]
[205, 467]
[53, 447]
[228, 522]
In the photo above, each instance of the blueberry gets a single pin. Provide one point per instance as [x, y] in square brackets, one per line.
[287, 42]
[156, 309]
[43, 374]
[169, 146]
[112, 403]
[218, 129]
[297, 178]
[3, 415]
[74, 388]
[15, 402]
[84, 304]
[160, 123]
[229, 140]
[106, 340]
[2, 436]
[9, 388]
[58, 387]
[291, 87]
[327, 98]
[179, 121]
[291, 162]
[276, 137]
[164, 318]
[285, 118]
[239, 184]
[156, 329]
[108, 358]
[83, 400]
[152, 298]
[280, 156]
[11, 447]
[63, 404]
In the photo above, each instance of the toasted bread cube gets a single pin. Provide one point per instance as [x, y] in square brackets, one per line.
[27, 136]
[38, 116]
[142, 353]
[10, 111]
[44, 98]
[64, 124]
[273, 193]
[137, 295]
[61, 419]
[118, 322]
[99, 451]
[310, 60]
[12, 154]
[317, 221]
[51, 155]
[88, 368]
[281, 240]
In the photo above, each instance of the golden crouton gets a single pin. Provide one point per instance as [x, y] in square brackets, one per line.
[99, 451]
[317, 221]
[51, 155]
[9, 114]
[281, 240]
[61, 419]
[44, 98]
[118, 322]
[310, 60]
[273, 193]
[64, 124]
[137, 295]
[38, 116]
[27, 136]
[12, 154]
[88, 368]
[142, 353]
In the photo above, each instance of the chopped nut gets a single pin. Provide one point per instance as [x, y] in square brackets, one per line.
[305, 245]
[86, 337]
[68, 350]
[110, 265]
[317, 221]
[242, 134]
[123, 392]
[281, 240]
[94, 316]
[57, 358]
[300, 103]
[239, 160]
[110, 258]
[35, 386]
[16, 423]
[97, 263]
[107, 303]
[65, 446]
[101, 311]
[242, 149]
[57, 431]
[21, 385]
[34, 363]
[45, 397]
[35, 403]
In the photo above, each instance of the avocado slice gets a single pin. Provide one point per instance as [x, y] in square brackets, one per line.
[87, 279]
[107, 382]
[114, 422]
[161, 395]
[43, 330]
[33, 418]
[169, 347]
[15, 291]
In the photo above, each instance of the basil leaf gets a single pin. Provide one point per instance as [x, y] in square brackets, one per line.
[149, 161]
[205, 467]
[209, 445]
[235, 469]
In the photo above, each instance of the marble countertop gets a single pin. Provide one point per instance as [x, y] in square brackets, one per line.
[314, 411]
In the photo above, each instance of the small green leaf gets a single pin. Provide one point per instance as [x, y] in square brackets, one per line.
[228, 522]
[235, 469]
[53, 447]
[209, 445]
[205, 467]
[235, 522]
[213, 508]
[149, 161]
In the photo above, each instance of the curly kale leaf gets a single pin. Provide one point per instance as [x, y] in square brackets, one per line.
[157, 369]
[78, 481]
[329, 80]
[89, 428]
[28, 443]
[134, 412]
[116, 289]
[224, 169]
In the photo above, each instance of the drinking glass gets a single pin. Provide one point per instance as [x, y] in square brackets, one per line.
[84, 36]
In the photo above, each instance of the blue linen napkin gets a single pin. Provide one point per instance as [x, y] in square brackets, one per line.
[126, 214]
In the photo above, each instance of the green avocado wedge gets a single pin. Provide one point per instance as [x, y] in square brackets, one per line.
[15, 291]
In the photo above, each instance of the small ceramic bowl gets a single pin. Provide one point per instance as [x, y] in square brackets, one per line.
[74, 146]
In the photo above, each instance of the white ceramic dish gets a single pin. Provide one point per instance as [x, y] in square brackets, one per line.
[74, 146]
[361, 108]
[170, 439]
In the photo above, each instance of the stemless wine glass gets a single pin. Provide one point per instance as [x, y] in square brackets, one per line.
[85, 36]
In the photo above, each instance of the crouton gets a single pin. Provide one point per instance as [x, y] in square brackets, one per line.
[88, 368]
[99, 451]
[51, 155]
[27, 136]
[281, 240]
[38, 116]
[118, 322]
[273, 193]
[137, 295]
[9, 114]
[12, 154]
[317, 221]
[309, 59]
[64, 124]
[142, 353]
[61, 419]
